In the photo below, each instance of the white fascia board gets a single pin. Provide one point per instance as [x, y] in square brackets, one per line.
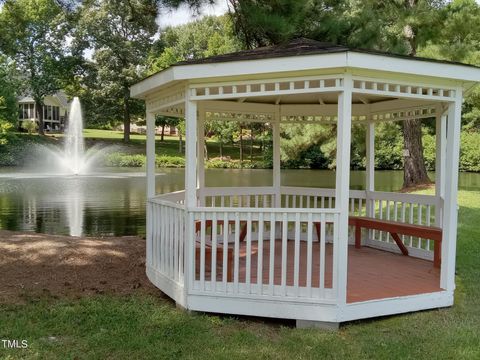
[412, 66]
[263, 66]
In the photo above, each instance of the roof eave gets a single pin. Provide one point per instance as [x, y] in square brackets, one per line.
[347, 59]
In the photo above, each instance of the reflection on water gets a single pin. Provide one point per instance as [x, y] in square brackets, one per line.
[113, 203]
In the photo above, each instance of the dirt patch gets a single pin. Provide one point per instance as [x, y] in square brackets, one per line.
[34, 264]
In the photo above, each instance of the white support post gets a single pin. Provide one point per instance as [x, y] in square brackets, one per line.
[201, 154]
[190, 152]
[150, 118]
[342, 186]
[370, 166]
[449, 233]
[150, 155]
[440, 144]
[276, 157]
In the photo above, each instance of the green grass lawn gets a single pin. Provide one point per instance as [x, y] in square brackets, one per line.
[168, 147]
[143, 327]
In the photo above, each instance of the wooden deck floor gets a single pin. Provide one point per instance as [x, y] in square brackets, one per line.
[372, 274]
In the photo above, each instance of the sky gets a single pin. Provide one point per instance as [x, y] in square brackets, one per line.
[183, 14]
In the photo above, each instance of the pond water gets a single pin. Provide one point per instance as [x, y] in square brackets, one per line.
[112, 202]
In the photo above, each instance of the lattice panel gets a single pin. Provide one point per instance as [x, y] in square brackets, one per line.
[266, 88]
[237, 116]
[396, 89]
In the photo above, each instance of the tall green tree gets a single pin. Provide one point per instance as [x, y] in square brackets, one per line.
[208, 36]
[407, 25]
[120, 34]
[262, 23]
[34, 35]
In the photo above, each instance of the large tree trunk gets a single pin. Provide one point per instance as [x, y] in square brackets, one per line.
[163, 133]
[221, 150]
[39, 107]
[126, 116]
[414, 171]
[180, 141]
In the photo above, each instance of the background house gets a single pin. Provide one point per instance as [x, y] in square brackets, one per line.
[55, 111]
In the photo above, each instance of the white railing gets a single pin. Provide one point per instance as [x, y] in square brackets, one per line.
[259, 197]
[259, 253]
[407, 208]
[240, 245]
[166, 241]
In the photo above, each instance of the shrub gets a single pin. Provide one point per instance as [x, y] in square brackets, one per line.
[470, 151]
[29, 126]
[169, 161]
[124, 160]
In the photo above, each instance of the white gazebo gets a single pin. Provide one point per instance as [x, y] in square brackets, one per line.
[319, 256]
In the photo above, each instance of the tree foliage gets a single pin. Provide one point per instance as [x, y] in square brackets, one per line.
[36, 40]
[206, 37]
[119, 33]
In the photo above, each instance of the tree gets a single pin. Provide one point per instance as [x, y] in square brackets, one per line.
[205, 37]
[34, 34]
[9, 88]
[164, 121]
[407, 25]
[262, 23]
[120, 34]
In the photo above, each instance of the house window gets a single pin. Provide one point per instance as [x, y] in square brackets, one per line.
[25, 111]
[55, 113]
[49, 112]
[31, 111]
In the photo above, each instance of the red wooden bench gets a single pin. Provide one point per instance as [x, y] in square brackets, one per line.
[395, 228]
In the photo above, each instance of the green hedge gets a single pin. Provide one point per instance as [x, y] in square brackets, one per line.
[139, 160]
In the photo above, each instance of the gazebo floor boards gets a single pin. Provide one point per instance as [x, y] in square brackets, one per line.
[372, 274]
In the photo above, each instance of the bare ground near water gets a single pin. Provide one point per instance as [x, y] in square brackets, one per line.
[62, 266]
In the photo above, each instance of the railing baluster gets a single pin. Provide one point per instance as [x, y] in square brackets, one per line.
[419, 220]
[271, 268]
[213, 268]
[176, 237]
[182, 239]
[249, 253]
[428, 221]
[225, 268]
[203, 231]
[236, 252]
[284, 253]
[411, 222]
[260, 254]
[309, 254]
[170, 242]
[380, 216]
[321, 283]
[296, 254]
[163, 229]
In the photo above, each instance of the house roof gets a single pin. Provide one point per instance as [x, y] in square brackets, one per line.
[60, 96]
[300, 47]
